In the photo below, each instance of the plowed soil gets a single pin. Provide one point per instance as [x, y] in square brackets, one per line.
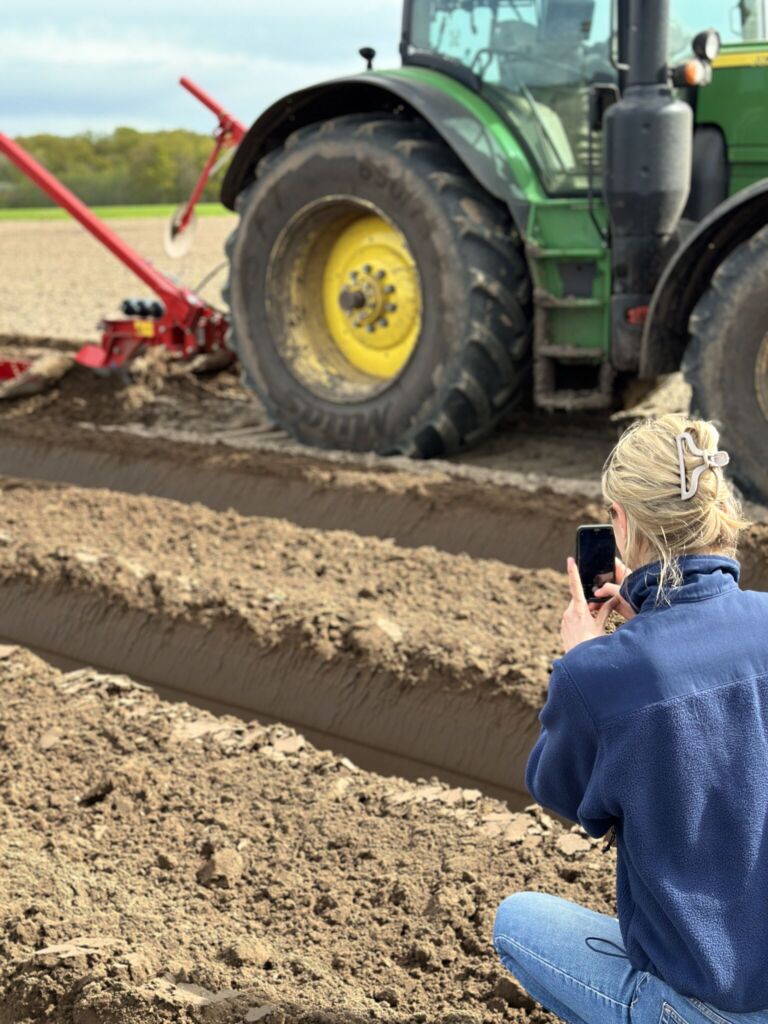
[164, 865]
[384, 651]
[161, 866]
[410, 660]
[471, 623]
[58, 281]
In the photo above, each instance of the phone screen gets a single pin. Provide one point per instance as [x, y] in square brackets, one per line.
[595, 554]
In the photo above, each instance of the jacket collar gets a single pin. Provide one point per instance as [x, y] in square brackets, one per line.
[703, 576]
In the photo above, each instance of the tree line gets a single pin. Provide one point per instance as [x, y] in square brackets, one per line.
[124, 167]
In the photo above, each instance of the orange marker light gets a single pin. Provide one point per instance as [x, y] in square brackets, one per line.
[695, 72]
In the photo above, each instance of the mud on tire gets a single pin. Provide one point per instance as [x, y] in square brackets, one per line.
[471, 362]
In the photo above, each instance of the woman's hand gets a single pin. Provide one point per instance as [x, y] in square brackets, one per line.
[612, 590]
[578, 623]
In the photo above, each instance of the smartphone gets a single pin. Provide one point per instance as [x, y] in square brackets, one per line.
[595, 554]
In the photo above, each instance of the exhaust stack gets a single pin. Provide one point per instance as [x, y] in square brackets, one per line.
[647, 170]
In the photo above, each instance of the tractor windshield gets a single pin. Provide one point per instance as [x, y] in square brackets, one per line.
[536, 60]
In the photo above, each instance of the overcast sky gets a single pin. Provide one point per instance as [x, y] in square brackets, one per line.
[95, 64]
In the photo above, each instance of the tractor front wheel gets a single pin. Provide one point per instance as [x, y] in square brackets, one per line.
[380, 299]
[726, 362]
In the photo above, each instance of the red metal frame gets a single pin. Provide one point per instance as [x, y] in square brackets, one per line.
[188, 325]
[230, 132]
[10, 369]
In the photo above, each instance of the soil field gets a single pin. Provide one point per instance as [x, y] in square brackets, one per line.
[165, 866]
[169, 434]
[409, 660]
[58, 281]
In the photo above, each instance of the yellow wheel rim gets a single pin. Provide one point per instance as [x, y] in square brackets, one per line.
[371, 298]
[344, 299]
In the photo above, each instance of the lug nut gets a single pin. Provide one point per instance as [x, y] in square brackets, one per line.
[371, 328]
[367, 268]
[391, 307]
[380, 274]
[389, 289]
[383, 321]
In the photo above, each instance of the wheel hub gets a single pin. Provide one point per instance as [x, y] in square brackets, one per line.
[350, 300]
[371, 297]
[368, 301]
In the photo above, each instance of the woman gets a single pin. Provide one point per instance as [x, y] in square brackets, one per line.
[658, 731]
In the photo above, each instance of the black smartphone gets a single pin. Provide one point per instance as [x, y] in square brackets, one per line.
[595, 554]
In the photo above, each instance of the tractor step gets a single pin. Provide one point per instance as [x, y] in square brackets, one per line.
[547, 394]
[569, 376]
[574, 353]
[545, 300]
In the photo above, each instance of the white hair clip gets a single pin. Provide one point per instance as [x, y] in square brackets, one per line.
[709, 460]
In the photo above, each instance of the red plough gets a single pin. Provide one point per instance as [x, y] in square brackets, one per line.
[177, 319]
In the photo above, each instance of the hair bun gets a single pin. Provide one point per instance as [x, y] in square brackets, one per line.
[643, 474]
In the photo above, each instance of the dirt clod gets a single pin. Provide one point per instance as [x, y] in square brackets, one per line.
[572, 845]
[223, 870]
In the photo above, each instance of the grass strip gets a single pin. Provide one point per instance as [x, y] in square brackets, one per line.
[110, 212]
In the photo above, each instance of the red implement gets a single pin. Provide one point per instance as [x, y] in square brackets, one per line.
[187, 325]
[181, 321]
[229, 132]
[10, 369]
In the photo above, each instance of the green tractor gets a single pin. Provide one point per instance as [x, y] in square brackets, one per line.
[548, 199]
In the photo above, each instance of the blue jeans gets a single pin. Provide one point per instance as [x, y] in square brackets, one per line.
[541, 940]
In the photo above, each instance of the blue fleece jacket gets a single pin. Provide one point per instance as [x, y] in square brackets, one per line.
[661, 731]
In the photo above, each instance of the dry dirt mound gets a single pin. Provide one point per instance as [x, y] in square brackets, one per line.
[412, 661]
[419, 612]
[162, 865]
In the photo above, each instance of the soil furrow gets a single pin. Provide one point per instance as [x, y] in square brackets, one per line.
[416, 655]
[524, 519]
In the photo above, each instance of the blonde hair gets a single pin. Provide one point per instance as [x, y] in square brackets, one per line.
[642, 474]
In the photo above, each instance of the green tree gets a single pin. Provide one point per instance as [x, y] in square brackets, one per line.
[123, 167]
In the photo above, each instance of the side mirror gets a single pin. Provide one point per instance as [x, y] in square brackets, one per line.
[367, 53]
[602, 95]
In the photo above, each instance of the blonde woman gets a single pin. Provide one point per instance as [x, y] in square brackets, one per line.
[658, 732]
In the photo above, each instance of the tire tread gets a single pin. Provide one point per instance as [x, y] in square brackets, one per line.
[493, 371]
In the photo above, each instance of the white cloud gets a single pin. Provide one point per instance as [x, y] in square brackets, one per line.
[91, 65]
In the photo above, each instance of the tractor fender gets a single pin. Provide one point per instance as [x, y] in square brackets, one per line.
[479, 149]
[688, 274]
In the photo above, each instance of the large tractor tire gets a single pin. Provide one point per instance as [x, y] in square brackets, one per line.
[380, 298]
[726, 362]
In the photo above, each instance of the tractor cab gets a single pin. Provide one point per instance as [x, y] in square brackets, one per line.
[533, 61]
[537, 61]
